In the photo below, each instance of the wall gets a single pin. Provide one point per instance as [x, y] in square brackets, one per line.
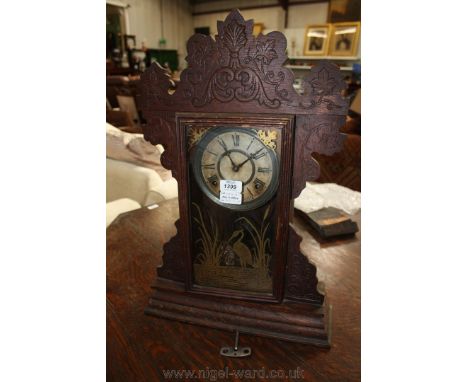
[273, 17]
[144, 21]
[307, 14]
[216, 5]
[299, 16]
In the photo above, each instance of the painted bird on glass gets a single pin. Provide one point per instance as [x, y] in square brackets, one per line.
[241, 250]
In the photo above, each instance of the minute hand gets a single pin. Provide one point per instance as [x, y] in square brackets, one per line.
[249, 158]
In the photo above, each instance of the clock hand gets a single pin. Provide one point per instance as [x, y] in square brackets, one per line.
[229, 156]
[226, 151]
[249, 157]
[240, 165]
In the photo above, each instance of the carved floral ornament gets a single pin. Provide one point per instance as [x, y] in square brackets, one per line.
[236, 68]
[238, 72]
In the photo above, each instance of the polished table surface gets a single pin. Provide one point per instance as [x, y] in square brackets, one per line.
[145, 348]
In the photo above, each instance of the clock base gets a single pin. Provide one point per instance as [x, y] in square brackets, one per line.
[290, 320]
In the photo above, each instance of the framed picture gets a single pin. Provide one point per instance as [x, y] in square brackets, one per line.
[344, 39]
[129, 41]
[258, 28]
[316, 40]
[344, 10]
[203, 30]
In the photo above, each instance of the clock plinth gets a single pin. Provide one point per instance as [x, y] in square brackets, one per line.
[235, 119]
[289, 321]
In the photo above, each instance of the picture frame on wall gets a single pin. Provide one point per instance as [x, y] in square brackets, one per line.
[129, 42]
[203, 30]
[344, 11]
[258, 28]
[316, 40]
[344, 39]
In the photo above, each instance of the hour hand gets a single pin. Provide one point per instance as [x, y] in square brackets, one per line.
[229, 156]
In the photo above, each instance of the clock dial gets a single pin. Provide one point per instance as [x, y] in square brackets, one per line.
[236, 154]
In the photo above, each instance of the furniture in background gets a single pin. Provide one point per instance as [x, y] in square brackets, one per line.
[140, 347]
[123, 108]
[142, 184]
[113, 70]
[127, 103]
[129, 186]
[118, 207]
[122, 120]
[149, 55]
[120, 85]
[134, 175]
[162, 56]
[344, 167]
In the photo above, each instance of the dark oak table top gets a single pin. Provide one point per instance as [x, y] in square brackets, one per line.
[144, 348]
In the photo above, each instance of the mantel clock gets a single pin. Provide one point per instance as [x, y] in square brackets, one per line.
[239, 139]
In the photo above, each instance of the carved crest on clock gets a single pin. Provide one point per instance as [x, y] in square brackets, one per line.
[239, 68]
[235, 65]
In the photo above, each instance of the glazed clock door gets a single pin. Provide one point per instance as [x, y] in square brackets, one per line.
[232, 243]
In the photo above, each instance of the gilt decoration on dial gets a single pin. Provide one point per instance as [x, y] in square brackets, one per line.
[242, 154]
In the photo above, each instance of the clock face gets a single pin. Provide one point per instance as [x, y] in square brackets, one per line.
[236, 154]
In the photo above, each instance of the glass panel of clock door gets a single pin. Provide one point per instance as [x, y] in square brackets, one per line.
[232, 251]
[232, 244]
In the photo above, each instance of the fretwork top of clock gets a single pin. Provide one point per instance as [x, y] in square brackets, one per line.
[238, 72]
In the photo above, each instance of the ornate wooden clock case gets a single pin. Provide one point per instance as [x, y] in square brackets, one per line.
[236, 116]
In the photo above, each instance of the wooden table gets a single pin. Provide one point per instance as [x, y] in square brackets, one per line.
[143, 348]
